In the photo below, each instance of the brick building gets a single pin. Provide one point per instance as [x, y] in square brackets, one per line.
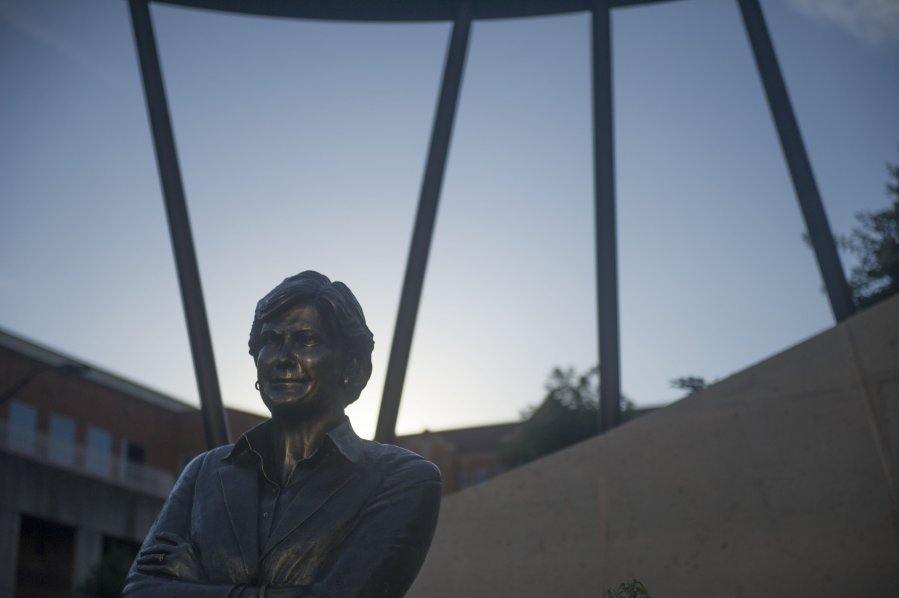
[86, 460]
[465, 456]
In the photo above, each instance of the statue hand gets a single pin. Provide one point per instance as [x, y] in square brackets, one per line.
[172, 556]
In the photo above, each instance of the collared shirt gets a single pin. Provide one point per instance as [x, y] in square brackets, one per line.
[360, 526]
[272, 495]
[341, 435]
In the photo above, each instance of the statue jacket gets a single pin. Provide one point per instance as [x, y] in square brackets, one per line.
[358, 526]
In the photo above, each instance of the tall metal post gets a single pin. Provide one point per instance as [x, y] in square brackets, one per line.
[838, 292]
[606, 237]
[214, 421]
[424, 224]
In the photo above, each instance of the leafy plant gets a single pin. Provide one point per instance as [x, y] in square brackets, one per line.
[875, 241]
[568, 414]
[629, 589]
[107, 578]
[689, 383]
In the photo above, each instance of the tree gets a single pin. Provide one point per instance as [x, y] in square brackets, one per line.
[568, 414]
[107, 578]
[629, 589]
[875, 241]
[689, 383]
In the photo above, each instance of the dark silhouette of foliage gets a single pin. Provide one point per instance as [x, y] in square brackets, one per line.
[629, 589]
[107, 578]
[875, 241]
[568, 414]
[689, 383]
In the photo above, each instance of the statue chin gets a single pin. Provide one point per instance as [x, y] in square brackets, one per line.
[294, 405]
[282, 394]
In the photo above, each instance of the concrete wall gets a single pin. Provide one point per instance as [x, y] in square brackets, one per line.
[778, 481]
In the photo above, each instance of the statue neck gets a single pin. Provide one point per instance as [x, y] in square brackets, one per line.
[295, 440]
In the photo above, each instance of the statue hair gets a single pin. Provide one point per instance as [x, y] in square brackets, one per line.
[336, 304]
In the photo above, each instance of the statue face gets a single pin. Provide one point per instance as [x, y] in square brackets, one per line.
[299, 364]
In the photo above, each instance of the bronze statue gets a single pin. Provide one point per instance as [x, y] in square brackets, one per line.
[299, 505]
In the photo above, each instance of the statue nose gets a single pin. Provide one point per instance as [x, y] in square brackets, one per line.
[285, 353]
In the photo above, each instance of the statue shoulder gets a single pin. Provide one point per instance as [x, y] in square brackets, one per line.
[398, 462]
[204, 459]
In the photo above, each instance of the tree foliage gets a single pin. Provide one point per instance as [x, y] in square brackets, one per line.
[107, 578]
[875, 242]
[568, 414]
[689, 383]
[629, 589]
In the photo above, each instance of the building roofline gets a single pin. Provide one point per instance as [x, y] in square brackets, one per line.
[53, 358]
[461, 429]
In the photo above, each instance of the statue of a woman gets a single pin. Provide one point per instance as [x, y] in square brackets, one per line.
[299, 505]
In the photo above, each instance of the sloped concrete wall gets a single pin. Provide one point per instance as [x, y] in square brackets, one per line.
[778, 481]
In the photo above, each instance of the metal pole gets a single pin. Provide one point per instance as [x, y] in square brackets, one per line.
[838, 292]
[606, 238]
[214, 421]
[424, 224]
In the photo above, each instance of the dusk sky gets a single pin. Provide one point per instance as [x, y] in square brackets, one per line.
[302, 146]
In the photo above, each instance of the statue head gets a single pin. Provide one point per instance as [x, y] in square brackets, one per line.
[339, 312]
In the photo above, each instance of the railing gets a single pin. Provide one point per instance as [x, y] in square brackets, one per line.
[91, 463]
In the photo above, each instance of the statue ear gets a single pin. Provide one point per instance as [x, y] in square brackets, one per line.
[352, 372]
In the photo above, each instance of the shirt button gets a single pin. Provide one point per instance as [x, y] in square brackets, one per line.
[265, 515]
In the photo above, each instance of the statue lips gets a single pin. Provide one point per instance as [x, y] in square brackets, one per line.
[288, 388]
[282, 379]
[288, 382]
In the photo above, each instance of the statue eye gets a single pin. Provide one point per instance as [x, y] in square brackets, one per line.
[268, 337]
[310, 339]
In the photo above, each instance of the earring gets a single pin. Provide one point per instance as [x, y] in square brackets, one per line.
[346, 380]
[258, 386]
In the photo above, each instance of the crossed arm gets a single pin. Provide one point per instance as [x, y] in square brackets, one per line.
[167, 564]
[378, 559]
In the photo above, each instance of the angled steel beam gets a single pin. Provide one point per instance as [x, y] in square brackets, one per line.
[604, 211]
[841, 302]
[424, 224]
[214, 421]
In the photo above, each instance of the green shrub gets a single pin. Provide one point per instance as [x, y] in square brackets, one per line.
[629, 589]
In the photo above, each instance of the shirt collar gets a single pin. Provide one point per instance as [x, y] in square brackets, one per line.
[341, 436]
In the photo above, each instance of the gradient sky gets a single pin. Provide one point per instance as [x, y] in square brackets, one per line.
[302, 145]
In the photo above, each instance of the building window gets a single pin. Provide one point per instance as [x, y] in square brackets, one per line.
[98, 455]
[133, 457]
[22, 426]
[61, 443]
